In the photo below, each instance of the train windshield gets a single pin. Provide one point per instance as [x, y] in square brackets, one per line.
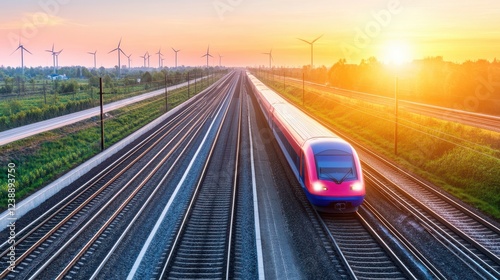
[334, 165]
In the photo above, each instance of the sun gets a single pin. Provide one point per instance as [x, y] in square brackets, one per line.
[396, 52]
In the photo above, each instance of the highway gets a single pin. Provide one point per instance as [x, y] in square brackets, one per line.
[483, 121]
[19, 133]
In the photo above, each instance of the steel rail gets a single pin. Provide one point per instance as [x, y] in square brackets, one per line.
[132, 195]
[183, 225]
[469, 258]
[163, 131]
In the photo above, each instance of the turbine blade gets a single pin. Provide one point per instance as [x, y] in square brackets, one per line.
[304, 41]
[15, 50]
[113, 50]
[317, 39]
[26, 50]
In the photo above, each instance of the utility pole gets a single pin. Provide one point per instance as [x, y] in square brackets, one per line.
[303, 88]
[166, 94]
[102, 115]
[284, 74]
[396, 116]
[44, 95]
[188, 84]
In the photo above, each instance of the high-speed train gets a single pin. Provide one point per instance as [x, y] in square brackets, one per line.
[326, 166]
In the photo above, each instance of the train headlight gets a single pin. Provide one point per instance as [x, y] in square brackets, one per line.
[358, 186]
[317, 187]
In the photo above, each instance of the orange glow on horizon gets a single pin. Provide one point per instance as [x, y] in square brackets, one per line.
[241, 30]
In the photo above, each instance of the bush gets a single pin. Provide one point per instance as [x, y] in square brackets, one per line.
[68, 86]
[12, 107]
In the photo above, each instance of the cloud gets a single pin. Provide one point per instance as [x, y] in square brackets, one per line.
[36, 20]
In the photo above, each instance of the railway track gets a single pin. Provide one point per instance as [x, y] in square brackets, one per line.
[203, 246]
[472, 239]
[365, 252]
[110, 188]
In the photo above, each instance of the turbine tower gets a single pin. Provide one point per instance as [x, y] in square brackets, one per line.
[311, 43]
[128, 57]
[94, 54]
[54, 56]
[148, 58]
[176, 51]
[22, 55]
[159, 57]
[119, 50]
[144, 57]
[207, 54]
[57, 58]
[220, 60]
[270, 54]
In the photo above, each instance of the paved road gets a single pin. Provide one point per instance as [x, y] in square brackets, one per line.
[39, 127]
[484, 121]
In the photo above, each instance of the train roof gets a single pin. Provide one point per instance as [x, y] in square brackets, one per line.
[304, 126]
[329, 145]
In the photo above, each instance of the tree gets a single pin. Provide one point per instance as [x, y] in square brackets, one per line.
[146, 77]
[68, 86]
[108, 81]
[8, 87]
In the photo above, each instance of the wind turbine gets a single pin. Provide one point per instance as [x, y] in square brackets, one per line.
[270, 54]
[22, 55]
[128, 57]
[159, 57]
[176, 51]
[145, 56]
[220, 60]
[148, 58]
[54, 54]
[311, 43]
[94, 54]
[207, 54]
[57, 58]
[119, 50]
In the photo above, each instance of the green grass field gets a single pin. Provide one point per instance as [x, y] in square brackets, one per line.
[18, 110]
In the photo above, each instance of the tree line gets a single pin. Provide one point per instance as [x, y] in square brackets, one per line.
[471, 85]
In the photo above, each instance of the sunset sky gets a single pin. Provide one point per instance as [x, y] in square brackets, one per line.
[241, 30]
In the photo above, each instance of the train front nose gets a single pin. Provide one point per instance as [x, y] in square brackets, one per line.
[342, 197]
[340, 206]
